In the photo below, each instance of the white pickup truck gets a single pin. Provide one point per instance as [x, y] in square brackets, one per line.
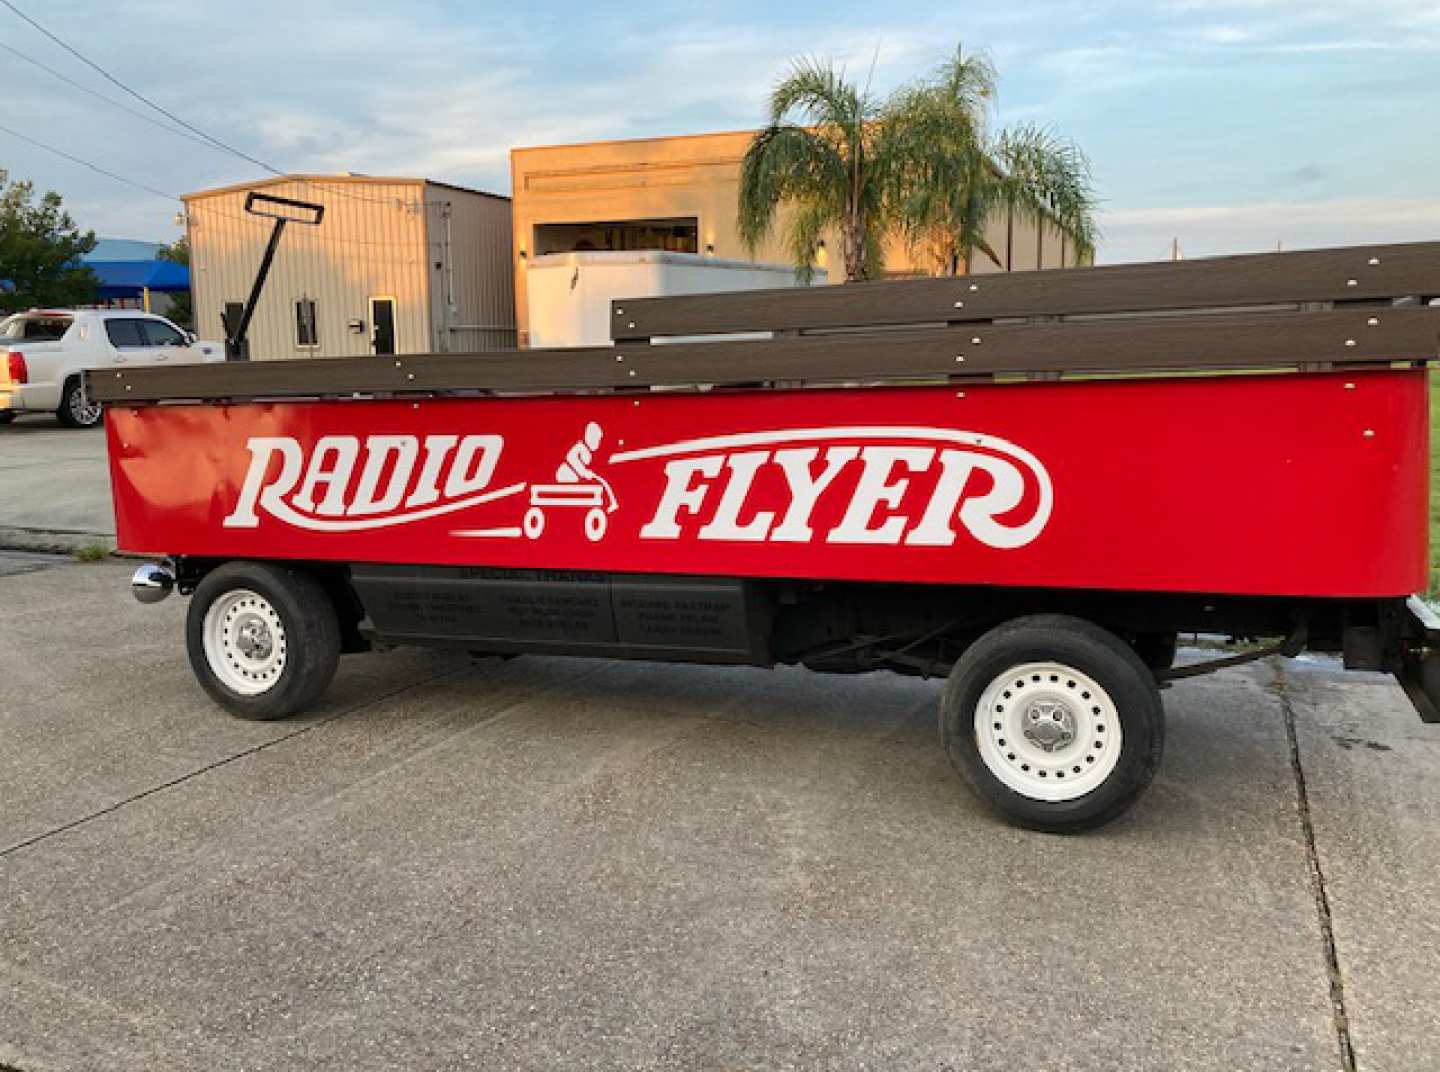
[43, 352]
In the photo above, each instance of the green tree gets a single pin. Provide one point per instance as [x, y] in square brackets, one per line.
[922, 163]
[40, 251]
[182, 306]
[959, 174]
[827, 154]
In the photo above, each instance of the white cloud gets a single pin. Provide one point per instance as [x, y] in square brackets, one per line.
[415, 88]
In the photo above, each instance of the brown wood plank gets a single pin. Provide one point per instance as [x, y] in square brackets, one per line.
[1215, 342]
[1344, 274]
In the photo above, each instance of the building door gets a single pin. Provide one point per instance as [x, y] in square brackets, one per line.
[382, 325]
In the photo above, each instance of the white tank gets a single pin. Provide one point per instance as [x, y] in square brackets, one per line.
[570, 293]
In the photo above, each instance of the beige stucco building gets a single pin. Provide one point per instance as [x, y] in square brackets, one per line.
[397, 265]
[681, 194]
[407, 265]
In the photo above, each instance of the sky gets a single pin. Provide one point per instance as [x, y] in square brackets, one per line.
[1230, 125]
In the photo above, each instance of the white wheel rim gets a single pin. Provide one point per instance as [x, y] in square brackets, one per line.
[1047, 731]
[245, 642]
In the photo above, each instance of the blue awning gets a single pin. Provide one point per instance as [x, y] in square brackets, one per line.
[128, 279]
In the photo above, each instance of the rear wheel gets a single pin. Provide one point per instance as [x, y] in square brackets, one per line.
[264, 640]
[76, 409]
[1054, 722]
[7, 417]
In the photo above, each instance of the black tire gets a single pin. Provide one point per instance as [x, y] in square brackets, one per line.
[74, 411]
[308, 645]
[7, 417]
[1094, 653]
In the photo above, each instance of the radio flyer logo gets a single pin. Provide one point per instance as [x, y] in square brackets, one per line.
[888, 485]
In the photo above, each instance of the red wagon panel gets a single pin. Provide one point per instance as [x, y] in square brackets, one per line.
[1307, 485]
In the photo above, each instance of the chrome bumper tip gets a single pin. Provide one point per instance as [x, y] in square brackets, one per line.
[152, 583]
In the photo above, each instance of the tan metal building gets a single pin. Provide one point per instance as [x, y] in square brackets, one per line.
[398, 265]
[681, 194]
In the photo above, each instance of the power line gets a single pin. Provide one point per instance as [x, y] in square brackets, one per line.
[188, 208]
[100, 96]
[136, 94]
[165, 126]
[195, 133]
[86, 164]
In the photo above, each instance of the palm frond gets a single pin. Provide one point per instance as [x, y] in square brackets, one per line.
[924, 164]
[968, 81]
[806, 229]
[787, 163]
[935, 180]
[815, 94]
[1045, 175]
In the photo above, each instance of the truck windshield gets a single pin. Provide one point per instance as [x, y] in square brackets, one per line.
[35, 328]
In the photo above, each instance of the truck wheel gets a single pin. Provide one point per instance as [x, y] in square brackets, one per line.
[1054, 722]
[263, 640]
[6, 418]
[76, 410]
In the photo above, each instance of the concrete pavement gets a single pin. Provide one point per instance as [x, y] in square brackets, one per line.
[54, 486]
[549, 863]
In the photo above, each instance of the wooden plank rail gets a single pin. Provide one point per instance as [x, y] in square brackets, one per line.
[1236, 341]
[1358, 273]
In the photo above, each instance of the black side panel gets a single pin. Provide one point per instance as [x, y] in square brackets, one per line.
[708, 614]
[697, 619]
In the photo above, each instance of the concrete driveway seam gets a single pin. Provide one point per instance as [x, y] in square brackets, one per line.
[225, 761]
[201, 862]
[1324, 916]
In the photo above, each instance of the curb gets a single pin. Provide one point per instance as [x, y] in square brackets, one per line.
[53, 542]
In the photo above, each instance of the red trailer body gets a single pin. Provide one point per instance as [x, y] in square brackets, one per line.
[1030, 483]
[1260, 485]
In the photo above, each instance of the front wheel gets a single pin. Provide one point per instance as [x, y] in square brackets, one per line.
[264, 640]
[1053, 721]
[76, 410]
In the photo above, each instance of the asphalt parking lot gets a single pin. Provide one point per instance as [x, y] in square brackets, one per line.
[54, 485]
[545, 863]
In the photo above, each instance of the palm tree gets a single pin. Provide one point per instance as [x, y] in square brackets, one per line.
[924, 163]
[824, 152]
[959, 174]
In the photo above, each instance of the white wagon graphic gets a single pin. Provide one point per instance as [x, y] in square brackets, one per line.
[577, 487]
[594, 499]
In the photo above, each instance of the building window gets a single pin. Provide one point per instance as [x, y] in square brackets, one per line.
[677, 235]
[306, 333]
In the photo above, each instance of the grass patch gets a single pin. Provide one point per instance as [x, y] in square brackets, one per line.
[98, 552]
